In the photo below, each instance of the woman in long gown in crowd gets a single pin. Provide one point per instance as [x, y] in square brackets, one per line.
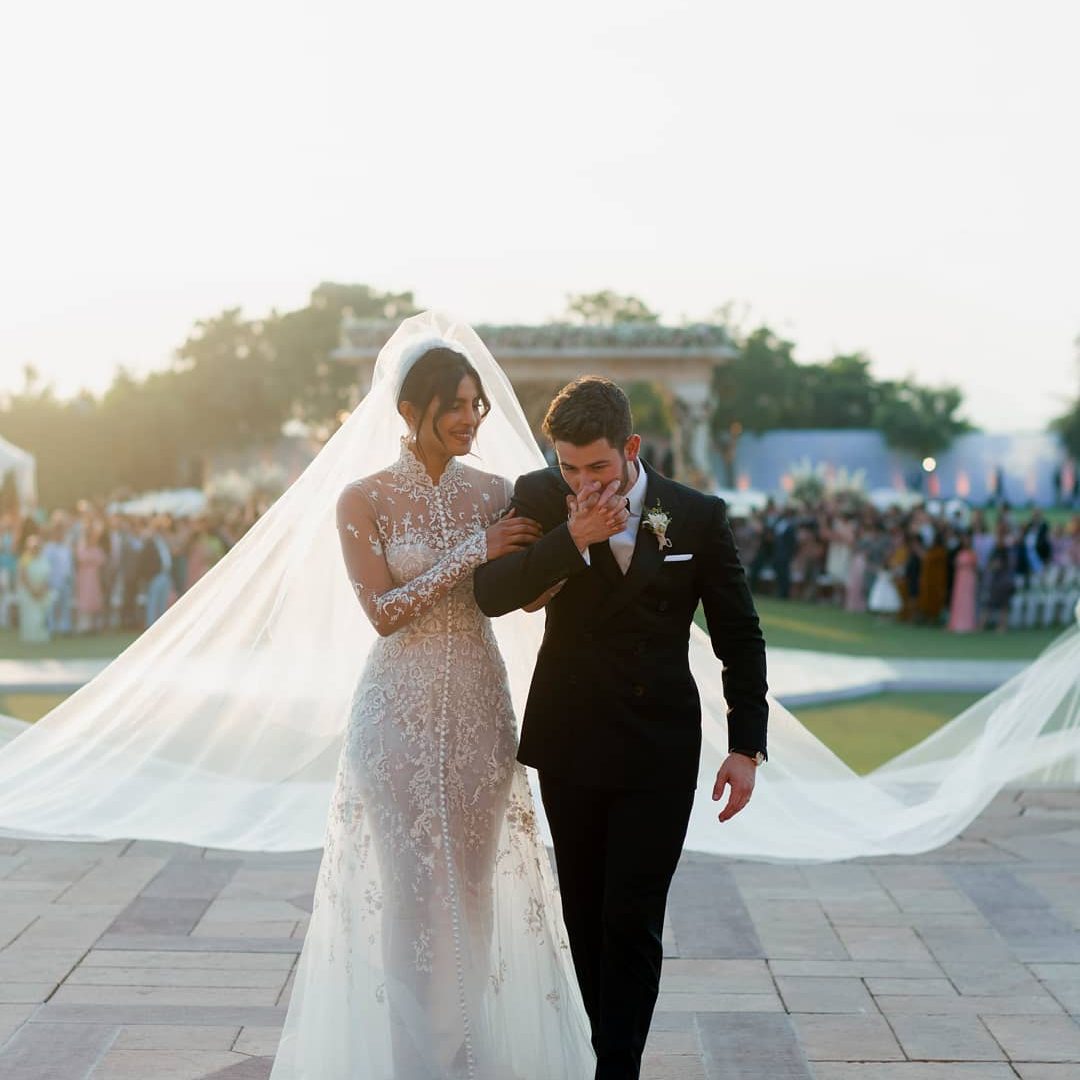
[34, 593]
[839, 533]
[90, 560]
[855, 591]
[965, 588]
[932, 591]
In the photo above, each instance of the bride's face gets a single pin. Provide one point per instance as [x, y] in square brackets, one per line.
[456, 427]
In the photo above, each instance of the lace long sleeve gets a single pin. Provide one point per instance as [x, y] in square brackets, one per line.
[391, 607]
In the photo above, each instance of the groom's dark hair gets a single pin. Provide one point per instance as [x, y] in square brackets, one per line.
[588, 409]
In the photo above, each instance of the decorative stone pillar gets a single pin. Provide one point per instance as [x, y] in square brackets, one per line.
[691, 438]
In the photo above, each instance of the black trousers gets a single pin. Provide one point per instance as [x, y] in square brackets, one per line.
[616, 852]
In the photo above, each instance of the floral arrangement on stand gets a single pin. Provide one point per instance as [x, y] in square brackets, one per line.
[261, 482]
[811, 484]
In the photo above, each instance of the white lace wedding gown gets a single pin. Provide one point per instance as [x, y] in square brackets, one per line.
[436, 948]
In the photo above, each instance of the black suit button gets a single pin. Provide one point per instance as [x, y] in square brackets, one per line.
[637, 690]
[663, 605]
[639, 649]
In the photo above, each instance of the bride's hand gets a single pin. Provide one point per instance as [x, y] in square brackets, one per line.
[511, 533]
[595, 515]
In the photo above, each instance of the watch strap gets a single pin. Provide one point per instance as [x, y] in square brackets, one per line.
[752, 754]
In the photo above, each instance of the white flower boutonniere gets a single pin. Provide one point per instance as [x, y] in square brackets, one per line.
[657, 521]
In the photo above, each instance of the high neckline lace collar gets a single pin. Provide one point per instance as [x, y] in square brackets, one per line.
[410, 466]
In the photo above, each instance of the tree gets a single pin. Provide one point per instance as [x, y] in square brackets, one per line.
[765, 389]
[755, 391]
[229, 382]
[152, 423]
[919, 419]
[607, 308]
[232, 383]
[301, 342]
[758, 389]
[1067, 426]
[60, 435]
[841, 392]
[652, 409]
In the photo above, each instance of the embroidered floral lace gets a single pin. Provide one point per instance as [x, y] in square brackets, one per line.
[436, 947]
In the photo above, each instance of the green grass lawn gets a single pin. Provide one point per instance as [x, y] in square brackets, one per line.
[89, 647]
[793, 624]
[868, 731]
[1054, 515]
[29, 707]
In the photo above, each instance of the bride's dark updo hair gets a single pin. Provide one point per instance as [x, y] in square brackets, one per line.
[437, 374]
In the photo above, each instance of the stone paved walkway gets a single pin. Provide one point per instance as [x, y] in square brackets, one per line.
[135, 960]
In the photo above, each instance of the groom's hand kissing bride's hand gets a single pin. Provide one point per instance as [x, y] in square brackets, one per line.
[595, 515]
[511, 533]
[737, 774]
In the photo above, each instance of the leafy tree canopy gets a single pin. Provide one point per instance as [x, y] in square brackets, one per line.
[606, 308]
[764, 389]
[1067, 426]
[232, 383]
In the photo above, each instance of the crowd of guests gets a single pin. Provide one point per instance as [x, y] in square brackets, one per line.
[958, 571]
[90, 571]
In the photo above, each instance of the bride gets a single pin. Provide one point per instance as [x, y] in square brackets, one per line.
[436, 948]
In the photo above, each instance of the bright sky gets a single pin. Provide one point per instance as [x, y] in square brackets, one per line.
[897, 178]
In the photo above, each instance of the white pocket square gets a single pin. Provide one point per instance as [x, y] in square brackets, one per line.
[677, 558]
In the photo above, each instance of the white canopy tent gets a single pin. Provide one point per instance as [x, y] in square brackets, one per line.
[179, 502]
[24, 465]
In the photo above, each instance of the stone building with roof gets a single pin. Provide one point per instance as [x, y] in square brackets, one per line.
[539, 360]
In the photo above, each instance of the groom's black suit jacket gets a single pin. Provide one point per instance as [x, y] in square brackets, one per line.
[612, 702]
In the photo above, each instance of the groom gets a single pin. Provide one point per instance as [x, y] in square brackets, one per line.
[613, 719]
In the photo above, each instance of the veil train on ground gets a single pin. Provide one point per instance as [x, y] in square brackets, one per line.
[222, 724]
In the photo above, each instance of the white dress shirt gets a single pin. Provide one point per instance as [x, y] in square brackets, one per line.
[622, 543]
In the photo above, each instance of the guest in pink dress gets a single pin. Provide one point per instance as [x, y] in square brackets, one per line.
[90, 560]
[204, 550]
[965, 588]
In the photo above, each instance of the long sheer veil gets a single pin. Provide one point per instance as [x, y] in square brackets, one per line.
[222, 724]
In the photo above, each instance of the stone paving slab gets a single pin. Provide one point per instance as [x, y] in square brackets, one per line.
[138, 960]
[45, 1050]
[182, 943]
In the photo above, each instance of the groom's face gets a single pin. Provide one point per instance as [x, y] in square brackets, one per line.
[598, 462]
